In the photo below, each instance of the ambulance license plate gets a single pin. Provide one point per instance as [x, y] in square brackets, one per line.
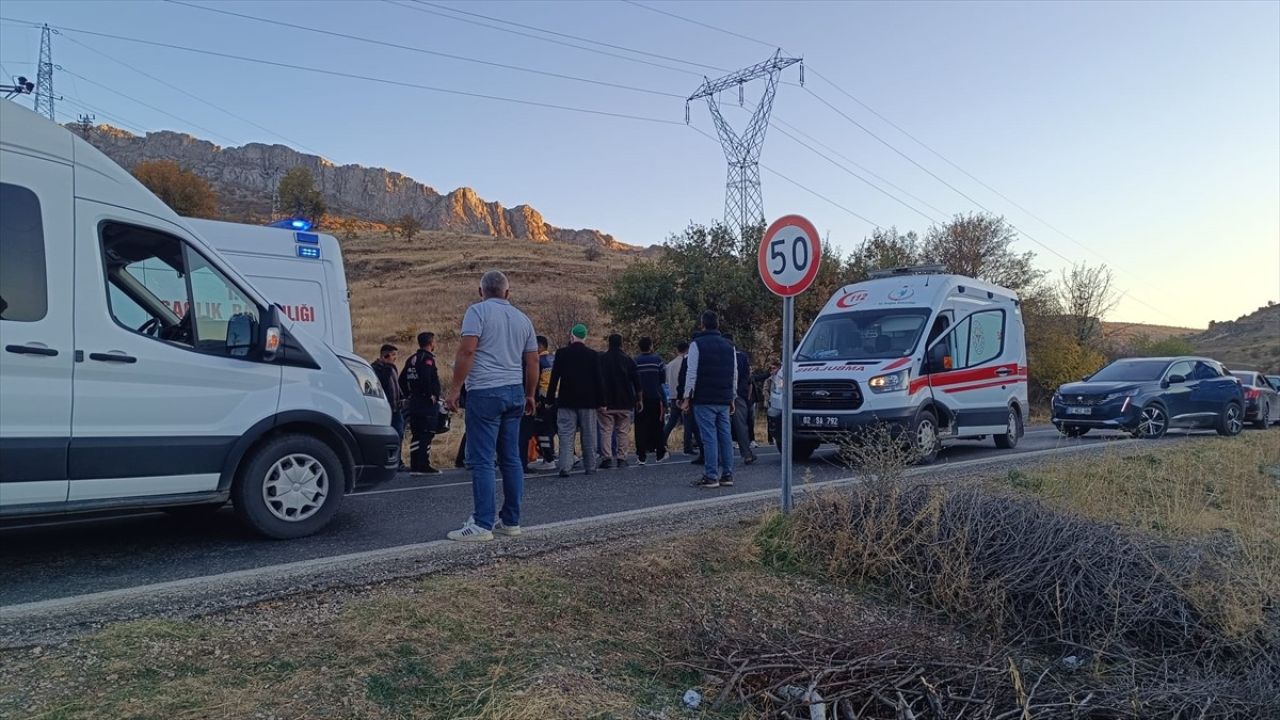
[1079, 411]
[819, 421]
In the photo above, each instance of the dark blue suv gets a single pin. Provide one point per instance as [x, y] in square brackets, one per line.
[1147, 396]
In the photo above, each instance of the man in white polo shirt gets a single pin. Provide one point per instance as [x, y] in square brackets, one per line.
[498, 361]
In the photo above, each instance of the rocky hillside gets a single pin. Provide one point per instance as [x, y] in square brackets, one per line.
[245, 178]
[1251, 342]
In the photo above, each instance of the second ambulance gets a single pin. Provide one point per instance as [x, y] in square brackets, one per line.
[940, 356]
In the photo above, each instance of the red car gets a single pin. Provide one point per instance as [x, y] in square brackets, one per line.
[1261, 398]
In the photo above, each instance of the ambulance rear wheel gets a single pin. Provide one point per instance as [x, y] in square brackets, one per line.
[1009, 440]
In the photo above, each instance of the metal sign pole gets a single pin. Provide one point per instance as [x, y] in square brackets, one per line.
[788, 332]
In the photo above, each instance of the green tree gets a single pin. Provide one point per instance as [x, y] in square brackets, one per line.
[406, 226]
[981, 246]
[705, 267]
[884, 249]
[1144, 346]
[185, 192]
[1054, 358]
[299, 197]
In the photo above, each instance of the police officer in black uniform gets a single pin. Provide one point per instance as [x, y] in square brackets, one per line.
[420, 381]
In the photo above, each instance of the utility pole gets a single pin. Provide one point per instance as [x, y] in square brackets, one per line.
[743, 203]
[87, 122]
[44, 76]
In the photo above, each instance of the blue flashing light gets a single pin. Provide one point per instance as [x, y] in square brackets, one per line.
[292, 224]
[310, 238]
[311, 252]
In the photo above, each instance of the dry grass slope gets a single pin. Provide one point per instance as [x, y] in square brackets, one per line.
[400, 287]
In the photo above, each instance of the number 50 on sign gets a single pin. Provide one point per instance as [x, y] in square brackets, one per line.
[789, 256]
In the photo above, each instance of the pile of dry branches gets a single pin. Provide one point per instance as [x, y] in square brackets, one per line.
[893, 672]
[1089, 620]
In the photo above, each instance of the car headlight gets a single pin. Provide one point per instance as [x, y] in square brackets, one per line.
[1119, 395]
[368, 381]
[891, 382]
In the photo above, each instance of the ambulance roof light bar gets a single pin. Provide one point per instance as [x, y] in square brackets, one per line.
[933, 269]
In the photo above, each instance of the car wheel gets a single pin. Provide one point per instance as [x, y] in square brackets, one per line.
[1231, 421]
[1264, 417]
[289, 487]
[1153, 423]
[924, 437]
[1074, 431]
[802, 450]
[1009, 440]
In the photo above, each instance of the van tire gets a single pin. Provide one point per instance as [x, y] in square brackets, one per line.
[1009, 440]
[925, 423]
[272, 463]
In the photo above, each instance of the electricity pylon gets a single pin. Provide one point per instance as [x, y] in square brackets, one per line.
[743, 203]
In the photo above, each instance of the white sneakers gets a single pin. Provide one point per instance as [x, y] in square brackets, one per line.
[471, 532]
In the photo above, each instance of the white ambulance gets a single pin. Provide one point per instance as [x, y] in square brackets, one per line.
[941, 356]
[140, 369]
[299, 270]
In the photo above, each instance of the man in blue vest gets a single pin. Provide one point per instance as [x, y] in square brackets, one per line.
[710, 384]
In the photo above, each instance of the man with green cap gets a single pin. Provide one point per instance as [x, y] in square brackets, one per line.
[577, 391]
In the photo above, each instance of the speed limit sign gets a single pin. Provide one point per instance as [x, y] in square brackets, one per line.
[789, 256]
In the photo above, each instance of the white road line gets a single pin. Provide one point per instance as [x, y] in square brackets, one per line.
[302, 567]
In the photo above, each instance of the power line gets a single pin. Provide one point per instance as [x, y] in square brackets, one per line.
[536, 37]
[856, 164]
[700, 23]
[191, 95]
[947, 160]
[424, 51]
[572, 37]
[122, 122]
[162, 111]
[356, 76]
[811, 191]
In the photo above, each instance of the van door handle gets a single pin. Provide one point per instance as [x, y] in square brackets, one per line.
[1003, 371]
[113, 357]
[30, 350]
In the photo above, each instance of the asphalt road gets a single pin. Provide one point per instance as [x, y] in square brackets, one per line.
[47, 560]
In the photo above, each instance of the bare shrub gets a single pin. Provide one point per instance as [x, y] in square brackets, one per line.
[592, 253]
[561, 312]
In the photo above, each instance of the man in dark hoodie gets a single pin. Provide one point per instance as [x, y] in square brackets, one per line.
[577, 391]
[388, 375]
[622, 397]
[649, 436]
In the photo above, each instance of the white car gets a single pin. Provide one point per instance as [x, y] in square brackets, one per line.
[939, 356]
[138, 369]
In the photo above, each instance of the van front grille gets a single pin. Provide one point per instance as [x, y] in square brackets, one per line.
[827, 395]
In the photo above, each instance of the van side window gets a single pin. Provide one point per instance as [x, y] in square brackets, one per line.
[217, 303]
[986, 337]
[24, 295]
[159, 287]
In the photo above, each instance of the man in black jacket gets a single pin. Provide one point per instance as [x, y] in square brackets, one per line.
[710, 383]
[649, 437]
[742, 403]
[621, 398]
[385, 368]
[420, 382]
[577, 391]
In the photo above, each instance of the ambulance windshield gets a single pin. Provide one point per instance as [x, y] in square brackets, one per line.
[864, 335]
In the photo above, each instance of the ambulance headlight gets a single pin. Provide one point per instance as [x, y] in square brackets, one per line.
[365, 377]
[891, 382]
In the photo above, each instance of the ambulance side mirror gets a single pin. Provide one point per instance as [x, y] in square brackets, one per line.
[269, 338]
[937, 359]
[240, 334]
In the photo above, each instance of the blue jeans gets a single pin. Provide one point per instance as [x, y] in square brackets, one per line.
[717, 439]
[493, 433]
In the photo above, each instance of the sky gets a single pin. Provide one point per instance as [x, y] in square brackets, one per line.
[1145, 136]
